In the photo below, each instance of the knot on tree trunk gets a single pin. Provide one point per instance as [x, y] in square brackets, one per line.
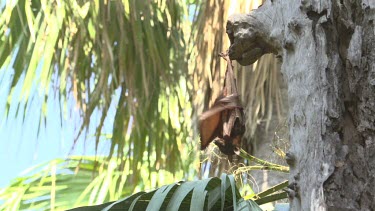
[251, 36]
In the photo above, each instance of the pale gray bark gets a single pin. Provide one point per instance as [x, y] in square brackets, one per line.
[327, 48]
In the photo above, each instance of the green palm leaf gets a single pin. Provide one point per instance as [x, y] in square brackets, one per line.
[208, 194]
[58, 185]
[99, 51]
[63, 184]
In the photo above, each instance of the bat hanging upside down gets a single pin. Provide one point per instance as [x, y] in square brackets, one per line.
[223, 123]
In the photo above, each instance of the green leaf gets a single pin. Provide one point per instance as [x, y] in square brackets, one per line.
[159, 197]
[183, 196]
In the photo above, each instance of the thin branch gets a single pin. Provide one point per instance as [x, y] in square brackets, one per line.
[266, 164]
[273, 189]
[271, 198]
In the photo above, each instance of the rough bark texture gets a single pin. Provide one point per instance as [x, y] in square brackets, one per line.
[327, 48]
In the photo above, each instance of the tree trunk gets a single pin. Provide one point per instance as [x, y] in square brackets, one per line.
[327, 48]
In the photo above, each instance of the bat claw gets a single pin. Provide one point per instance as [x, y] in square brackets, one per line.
[224, 54]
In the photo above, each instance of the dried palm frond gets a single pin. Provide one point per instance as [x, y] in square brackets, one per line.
[260, 91]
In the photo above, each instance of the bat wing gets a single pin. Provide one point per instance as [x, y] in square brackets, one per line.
[209, 129]
[210, 125]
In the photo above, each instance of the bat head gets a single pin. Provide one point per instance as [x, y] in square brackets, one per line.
[229, 145]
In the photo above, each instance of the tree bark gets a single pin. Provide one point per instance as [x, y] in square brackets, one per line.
[327, 48]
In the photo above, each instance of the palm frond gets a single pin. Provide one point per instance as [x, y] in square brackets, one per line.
[100, 50]
[261, 92]
[77, 181]
[208, 194]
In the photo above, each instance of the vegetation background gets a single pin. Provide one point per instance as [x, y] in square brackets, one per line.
[118, 85]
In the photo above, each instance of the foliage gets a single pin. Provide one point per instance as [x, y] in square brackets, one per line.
[58, 185]
[73, 180]
[40, 185]
[100, 50]
[264, 165]
[208, 194]
[78, 181]
[269, 195]
[149, 55]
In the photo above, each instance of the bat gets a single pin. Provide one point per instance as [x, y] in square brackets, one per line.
[211, 124]
[223, 123]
